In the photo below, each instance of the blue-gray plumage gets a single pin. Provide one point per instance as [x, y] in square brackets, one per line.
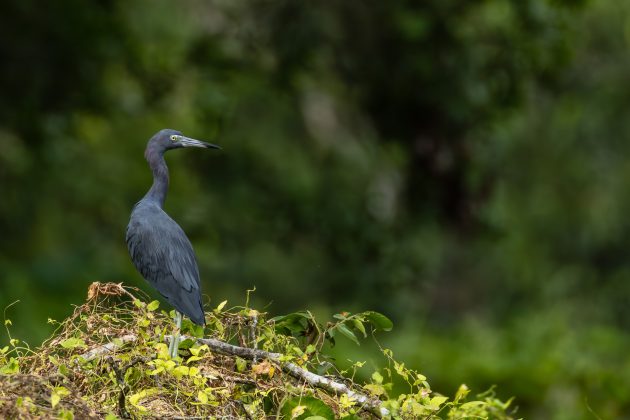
[158, 247]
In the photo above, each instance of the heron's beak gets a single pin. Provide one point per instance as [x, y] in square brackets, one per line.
[188, 142]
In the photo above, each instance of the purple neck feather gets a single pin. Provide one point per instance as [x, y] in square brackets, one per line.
[158, 190]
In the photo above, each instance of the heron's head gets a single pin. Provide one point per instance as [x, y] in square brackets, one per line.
[168, 139]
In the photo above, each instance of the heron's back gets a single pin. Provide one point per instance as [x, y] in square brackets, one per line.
[164, 256]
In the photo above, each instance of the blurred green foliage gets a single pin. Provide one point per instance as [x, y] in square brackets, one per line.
[459, 166]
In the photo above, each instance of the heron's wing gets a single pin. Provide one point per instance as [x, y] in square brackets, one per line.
[164, 256]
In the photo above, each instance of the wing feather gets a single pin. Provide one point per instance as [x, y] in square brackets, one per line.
[164, 256]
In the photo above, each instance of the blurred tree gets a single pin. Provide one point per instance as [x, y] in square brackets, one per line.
[385, 57]
[457, 165]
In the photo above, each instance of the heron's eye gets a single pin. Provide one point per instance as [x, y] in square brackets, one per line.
[174, 137]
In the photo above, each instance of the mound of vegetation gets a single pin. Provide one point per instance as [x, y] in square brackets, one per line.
[110, 360]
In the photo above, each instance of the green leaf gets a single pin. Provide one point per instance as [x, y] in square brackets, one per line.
[65, 415]
[312, 406]
[194, 351]
[401, 370]
[153, 305]
[379, 321]
[294, 323]
[462, 392]
[180, 371]
[343, 329]
[376, 389]
[241, 364]
[221, 306]
[377, 377]
[63, 370]
[202, 397]
[186, 344]
[62, 390]
[437, 401]
[472, 404]
[298, 411]
[359, 326]
[54, 399]
[72, 342]
[135, 399]
[293, 315]
[162, 351]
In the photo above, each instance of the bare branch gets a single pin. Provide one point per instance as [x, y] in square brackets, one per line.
[372, 405]
[108, 348]
[296, 371]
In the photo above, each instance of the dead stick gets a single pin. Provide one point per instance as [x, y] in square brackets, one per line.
[372, 405]
[294, 370]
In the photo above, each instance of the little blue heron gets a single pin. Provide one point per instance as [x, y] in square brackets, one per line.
[158, 247]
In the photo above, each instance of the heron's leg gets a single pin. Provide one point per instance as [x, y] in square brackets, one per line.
[171, 345]
[174, 346]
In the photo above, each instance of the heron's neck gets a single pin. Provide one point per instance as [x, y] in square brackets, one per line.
[158, 190]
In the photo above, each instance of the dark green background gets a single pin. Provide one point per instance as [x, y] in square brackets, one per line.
[461, 166]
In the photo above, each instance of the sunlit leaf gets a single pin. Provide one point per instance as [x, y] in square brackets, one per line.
[162, 351]
[472, 404]
[202, 397]
[298, 411]
[221, 306]
[377, 377]
[462, 392]
[135, 399]
[180, 371]
[375, 389]
[63, 370]
[72, 342]
[437, 401]
[54, 399]
[241, 364]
